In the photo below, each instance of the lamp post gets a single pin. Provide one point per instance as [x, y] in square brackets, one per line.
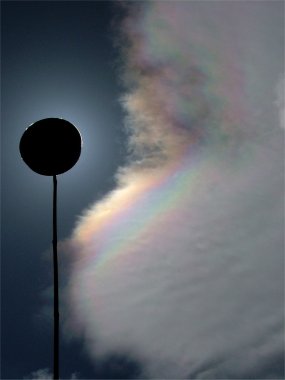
[51, 147]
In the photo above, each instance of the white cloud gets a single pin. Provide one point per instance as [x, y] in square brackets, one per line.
[280, 101]
[40, 374]
[45, 373]
[182, 264]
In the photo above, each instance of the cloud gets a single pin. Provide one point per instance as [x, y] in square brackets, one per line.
[40, 374]
[45, 374]
[280, 101]
[181, 265]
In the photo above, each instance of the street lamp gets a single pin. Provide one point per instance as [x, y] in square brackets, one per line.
[50, 147]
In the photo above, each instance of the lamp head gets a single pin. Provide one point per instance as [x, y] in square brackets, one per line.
[51, 146]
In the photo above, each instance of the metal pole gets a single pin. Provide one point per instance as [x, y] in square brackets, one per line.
[55, 285]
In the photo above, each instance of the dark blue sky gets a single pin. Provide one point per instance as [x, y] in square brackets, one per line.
[58, 60]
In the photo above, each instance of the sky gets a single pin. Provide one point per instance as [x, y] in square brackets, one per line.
[171, 224]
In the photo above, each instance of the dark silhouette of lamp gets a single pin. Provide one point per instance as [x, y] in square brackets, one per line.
[50, 147]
